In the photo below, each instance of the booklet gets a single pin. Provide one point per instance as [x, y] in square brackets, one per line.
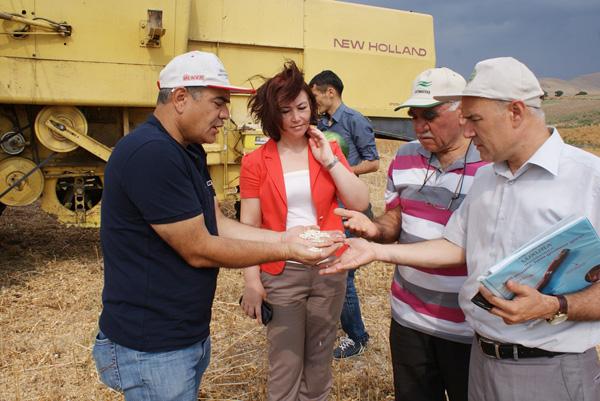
[563, 259]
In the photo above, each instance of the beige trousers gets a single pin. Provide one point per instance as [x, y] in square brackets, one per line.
[306, 310]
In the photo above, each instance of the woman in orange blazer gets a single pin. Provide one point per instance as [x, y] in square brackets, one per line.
[296, 178]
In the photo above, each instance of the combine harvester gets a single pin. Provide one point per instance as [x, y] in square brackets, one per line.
[77, 75]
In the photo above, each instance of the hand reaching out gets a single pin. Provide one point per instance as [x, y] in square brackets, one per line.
[360, 252]
[358, 224]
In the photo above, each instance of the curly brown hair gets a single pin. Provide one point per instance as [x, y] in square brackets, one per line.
[265, 104]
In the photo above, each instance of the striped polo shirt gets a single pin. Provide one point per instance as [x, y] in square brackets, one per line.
[427, 299]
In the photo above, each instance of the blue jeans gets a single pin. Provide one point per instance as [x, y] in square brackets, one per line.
[351, 318]
[152, 376]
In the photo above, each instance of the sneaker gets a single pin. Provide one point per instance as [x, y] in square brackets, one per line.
[348, 348]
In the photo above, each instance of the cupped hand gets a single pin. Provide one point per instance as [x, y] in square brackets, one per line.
[312, 255]
[293, 234]
[358, 224]
[296, 234]
[335, 236]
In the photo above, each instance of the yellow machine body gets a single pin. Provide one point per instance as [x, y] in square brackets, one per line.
[78, 75]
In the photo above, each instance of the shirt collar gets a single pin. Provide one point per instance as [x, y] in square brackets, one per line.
[473, 156]
[193, 150]
[337, 116]
[547, 157]
[432, 160]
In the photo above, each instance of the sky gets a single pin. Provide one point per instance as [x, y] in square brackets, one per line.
[554, 38]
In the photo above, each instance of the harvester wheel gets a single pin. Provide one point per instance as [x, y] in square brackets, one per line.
[13, 169]
[69, 116]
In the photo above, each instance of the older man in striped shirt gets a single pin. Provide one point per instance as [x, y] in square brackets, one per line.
[427, 181]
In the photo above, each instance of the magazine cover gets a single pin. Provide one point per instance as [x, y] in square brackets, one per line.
[564, 259]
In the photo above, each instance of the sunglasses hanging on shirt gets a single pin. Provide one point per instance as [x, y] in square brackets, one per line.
[457, 191]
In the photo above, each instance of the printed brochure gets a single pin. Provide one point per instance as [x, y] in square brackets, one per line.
[564, 259]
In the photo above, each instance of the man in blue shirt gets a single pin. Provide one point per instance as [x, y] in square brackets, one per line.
[163, 236]
[363, 158]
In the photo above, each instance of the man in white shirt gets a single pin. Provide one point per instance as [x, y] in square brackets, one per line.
[520, 351]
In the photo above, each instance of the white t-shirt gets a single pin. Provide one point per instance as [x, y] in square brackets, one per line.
[301, 211]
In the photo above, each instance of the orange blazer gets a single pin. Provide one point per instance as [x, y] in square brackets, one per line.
[261, 177]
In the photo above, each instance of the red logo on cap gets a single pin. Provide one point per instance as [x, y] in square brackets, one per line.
[195, 77]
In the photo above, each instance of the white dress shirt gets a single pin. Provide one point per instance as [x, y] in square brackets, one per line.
[505, 210]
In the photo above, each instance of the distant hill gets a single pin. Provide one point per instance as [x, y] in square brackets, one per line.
[589, 83]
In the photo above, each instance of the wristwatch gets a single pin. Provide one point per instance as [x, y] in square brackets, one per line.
[333, 163]
[563, 309]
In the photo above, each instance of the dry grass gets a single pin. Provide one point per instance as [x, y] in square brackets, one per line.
[50, 286]
[587, 137]
[50, 282]
[50, 300]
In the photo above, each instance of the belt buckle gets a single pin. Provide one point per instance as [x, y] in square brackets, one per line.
[497, 350]
[494, 343]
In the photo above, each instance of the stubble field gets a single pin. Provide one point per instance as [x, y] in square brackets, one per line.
[50, 285]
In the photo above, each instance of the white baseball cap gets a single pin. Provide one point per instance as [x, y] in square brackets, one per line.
[433, 82]
[502, 78]
[197, 69]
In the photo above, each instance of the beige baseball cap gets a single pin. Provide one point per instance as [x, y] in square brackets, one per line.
[197, 68]
[433, 82]
[502, 78]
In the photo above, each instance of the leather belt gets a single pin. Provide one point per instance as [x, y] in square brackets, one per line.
[511, 351]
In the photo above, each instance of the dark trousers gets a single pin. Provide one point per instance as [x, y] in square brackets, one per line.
[425, 366]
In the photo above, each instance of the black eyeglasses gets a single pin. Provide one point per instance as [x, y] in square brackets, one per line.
[428, 114]
[457, 190]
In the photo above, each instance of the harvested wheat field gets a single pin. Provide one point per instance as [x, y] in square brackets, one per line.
[577, 119]
[585, 137]
[573, 111]
[50, 299]
[50, 285]
[51, 281]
